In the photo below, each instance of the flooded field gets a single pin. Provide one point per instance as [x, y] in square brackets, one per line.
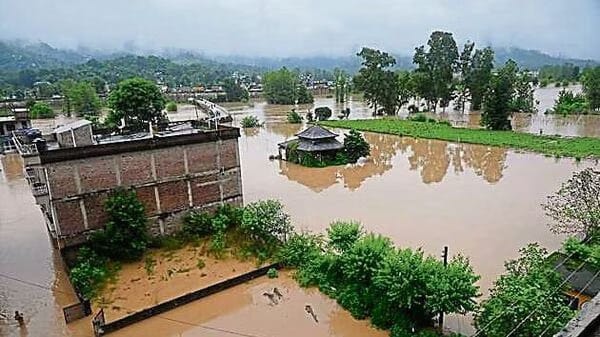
[246, 311]
[164, 275]
[481, 201]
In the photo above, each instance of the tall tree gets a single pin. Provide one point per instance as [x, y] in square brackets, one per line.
[136, 100]
[377, 81]
[234, 91]
[479, 76]
[82, 99]
[284, 87]
[341, 85]
[438, 64]
[497, 100]
[591, 87]
[463, 68]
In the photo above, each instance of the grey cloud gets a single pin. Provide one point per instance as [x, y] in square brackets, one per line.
[304, 27]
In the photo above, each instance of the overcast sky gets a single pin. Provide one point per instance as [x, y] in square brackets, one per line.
[304, 27]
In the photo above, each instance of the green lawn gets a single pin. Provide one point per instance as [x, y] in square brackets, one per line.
[578, 147]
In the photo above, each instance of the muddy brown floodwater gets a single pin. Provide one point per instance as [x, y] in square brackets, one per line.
[483, 202]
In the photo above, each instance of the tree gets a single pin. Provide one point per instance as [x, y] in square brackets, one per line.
[575, 207]
[136, 100]
[341, 85]
[464, 68]
[294, 117]
[234, 91]
[171, 107]
[265, 222]
[322, 113]
[526, 299]
[355, 146]
[376, 81]
[479, 76]
[41, 110]
[496, 110]
[591, 87]
[343, 235]
[283, 87]
[438, 64]
[303, 96]
[125, 236]
[81, 98]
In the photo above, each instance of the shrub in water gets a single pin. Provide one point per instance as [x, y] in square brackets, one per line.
[272, 273]
[250, 122]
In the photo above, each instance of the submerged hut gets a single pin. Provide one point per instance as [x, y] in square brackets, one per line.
[314, 143]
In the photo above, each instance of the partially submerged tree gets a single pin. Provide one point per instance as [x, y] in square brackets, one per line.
[497, 100]
[437, 64]
[575, 207]
[355, 146]
[591, 87]
[377, 82]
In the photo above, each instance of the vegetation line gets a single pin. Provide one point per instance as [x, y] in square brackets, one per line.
[577, 147]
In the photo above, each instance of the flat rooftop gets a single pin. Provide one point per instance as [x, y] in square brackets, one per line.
[105, 143]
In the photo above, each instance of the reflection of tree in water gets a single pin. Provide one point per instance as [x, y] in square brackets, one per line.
[486, 161]
[434, 157]
[286, 130]
[383, 149]
[251, 132]
[431, 157]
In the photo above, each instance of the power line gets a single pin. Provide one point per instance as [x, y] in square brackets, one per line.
[515, 302]
[37, 285]
[570, 303]
[544, 300]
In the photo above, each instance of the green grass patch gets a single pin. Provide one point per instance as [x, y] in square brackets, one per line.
[577, 147]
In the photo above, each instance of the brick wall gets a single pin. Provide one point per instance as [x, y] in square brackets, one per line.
[168, 181]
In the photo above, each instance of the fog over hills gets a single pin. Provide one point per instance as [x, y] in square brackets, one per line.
[17, 55]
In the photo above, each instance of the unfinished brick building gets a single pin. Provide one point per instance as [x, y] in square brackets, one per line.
[172, 171]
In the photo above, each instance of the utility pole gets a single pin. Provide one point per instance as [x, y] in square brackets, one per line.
[441, 318]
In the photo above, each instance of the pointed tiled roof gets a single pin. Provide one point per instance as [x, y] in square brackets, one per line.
[316, 132]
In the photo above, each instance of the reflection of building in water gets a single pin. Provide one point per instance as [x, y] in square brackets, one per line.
[431, 157]
[286, 130]
[383, 149]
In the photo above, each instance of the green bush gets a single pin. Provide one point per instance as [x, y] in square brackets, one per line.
[125, 236]
[343, 235]
[89, 273]
[355, 146]
[568, 103]
[197, 224]
[41, 110]
[171, 107]
[419, 117]
[250, 122]
[322, 113]
[272, 273]
[300, 249]
[265, 222]
[294, 117]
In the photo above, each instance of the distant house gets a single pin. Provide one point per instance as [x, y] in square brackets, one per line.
[316, 143]
[16, 119]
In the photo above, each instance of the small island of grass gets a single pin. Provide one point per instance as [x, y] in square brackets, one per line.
[577, 147]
